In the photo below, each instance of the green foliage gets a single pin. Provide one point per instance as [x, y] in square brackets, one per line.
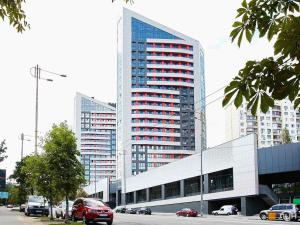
[62, 155]
[81, 193]
[3, 149]
[13, 11]
[276, 77]
[13, 197]
[285, 136]
[22, 175]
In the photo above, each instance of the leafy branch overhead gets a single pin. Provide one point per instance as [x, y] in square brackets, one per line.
[276, 77]
[3, 149]
[13, 11]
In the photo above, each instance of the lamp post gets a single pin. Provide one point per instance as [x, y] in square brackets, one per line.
[37, 76]
[22, 143]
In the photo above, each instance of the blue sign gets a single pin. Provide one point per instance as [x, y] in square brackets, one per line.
[3, 195]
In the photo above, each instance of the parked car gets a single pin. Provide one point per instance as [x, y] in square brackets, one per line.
[286, 212]
[226, 210]
[9, 206]
[36, 205]
[144, 210]
[61, 209]
[91, 211]
[121, 210]
[22, 207]
[131, 211]
[187, 212]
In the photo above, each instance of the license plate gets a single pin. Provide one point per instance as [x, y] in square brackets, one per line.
[38, 211]
[103, 215]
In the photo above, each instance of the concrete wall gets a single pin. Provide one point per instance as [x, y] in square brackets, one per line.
[101, 186]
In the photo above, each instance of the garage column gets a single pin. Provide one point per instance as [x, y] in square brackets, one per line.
[181, 188]
[147, 195]
[163, 192]
[134, 197]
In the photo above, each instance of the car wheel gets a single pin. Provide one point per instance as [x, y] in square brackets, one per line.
[74, 218]
[56, 215]
[263, 216]
[109, 222]
[228, 214]
[85, 221]
[61, 215]
[216, 213]
[286, 217]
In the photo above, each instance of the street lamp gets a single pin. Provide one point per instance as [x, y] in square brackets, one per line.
[22, 141]
[37, 75]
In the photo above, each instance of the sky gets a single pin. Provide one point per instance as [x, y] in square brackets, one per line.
[78, 38]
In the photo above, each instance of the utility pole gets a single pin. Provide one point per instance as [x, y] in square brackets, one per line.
[37, 76]
[22, 144]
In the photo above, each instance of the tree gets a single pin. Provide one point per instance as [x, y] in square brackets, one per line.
[81, 193]
[3, 149]
[22, 175]
[276, 77]
[13, 11]
[43, 179]
[61, 150]
[285, 136]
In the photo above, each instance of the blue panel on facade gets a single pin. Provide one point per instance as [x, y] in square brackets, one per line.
[279, 159]
[141, 31]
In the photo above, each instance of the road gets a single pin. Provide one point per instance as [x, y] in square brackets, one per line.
[125, 219]
[8, 217]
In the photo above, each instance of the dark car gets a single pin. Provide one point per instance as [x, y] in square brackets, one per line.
[145, 211]
[131, 211]
[91, 211]
[121, 210]
[187, 212]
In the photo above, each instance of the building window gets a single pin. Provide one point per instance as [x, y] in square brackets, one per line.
[172, 190]
[192, 186]
[141, 196]
[155, 193]
[129, 198]
[221, 181]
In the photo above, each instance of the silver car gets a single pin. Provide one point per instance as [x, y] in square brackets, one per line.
[61, 209]
[287, 212]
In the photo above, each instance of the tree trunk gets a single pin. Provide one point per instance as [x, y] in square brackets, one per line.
[67, 208]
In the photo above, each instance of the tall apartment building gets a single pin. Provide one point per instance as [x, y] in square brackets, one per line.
[160, 84]
[240, 122]
[95, 124]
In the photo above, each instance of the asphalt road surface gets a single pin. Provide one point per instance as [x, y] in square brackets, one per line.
[125, 219]
[8, 217]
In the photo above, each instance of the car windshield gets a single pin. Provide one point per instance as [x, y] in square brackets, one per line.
[38, 199]
[94, 203]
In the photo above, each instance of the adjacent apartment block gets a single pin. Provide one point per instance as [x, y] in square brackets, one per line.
[160, 84]
[240, 122]
[95, 124]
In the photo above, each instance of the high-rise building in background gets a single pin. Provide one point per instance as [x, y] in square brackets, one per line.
[95, 125]
[160, 84]
[268, 127]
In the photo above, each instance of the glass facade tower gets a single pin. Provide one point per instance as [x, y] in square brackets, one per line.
[160, 85]
[96, 137]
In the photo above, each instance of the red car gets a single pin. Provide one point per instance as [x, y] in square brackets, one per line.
[187, 212]
[91, 211]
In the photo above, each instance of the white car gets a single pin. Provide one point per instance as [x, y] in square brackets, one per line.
[226, 210]
[36, 205]
[61, 209]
